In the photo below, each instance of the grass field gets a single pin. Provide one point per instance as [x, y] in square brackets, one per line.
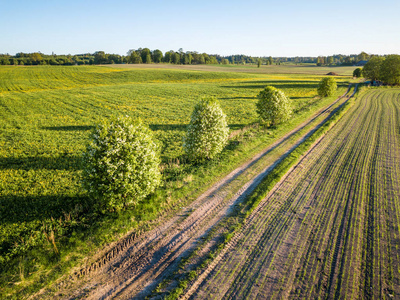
[270, 69]
[46, 222]
[331, 229]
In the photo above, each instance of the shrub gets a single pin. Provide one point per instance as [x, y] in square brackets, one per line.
[357, 72]
[121, 164]
[207, 133]
[273, 106]
[327, 87]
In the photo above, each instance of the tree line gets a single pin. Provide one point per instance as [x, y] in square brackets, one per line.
[147, 56]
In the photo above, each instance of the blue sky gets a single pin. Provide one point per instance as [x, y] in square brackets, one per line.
[252, 27]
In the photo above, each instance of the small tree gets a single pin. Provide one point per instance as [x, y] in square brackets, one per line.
[327, 87]
[357, 72]
[121, 164]
[207, 133]
[273, 106]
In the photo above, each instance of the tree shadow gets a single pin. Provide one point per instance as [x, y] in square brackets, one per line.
[168, 127]
[281, 84]
[234, 98]
[63, 162]
[237, 126]
[69, 128]
[15, 209]
[276, 83]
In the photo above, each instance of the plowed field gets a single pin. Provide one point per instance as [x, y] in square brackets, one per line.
[331, 228]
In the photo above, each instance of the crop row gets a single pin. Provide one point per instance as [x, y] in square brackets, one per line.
[332, 228]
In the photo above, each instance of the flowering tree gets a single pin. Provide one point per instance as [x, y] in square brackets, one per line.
[121, 164]
[207, 133]
[327, 87]
[273, 106]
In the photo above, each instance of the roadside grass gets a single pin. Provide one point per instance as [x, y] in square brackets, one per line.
[47, 224]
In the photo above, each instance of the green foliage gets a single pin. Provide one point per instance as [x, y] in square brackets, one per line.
[157, 56]
[121, 164]
[390, 70]
[327, 87]
[273, 106]
[357, 72]
[372, 68]
[207, 133]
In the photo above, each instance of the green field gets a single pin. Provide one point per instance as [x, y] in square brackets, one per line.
[306, 69]
[46, 113]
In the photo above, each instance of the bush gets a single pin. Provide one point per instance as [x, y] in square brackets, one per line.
[121, 164]
[327, 87]
[273, 106]
[357, 72]
[207, 133]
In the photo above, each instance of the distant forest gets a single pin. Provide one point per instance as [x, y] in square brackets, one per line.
[147, 56]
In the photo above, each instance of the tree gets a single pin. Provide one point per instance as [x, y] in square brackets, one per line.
[327, 87]
[362, 56]
[121, 164]
[372, 68]
[207, 132]
[157, 56]
[273, 106]
[189, 58]
[148, 59]
[36, 58]
[145, 54]
[134, 58]
[259, 62]
[202, 59]
[357, 72]
[175, 58]
[390, 70]
[99, 57]
[168, 56]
